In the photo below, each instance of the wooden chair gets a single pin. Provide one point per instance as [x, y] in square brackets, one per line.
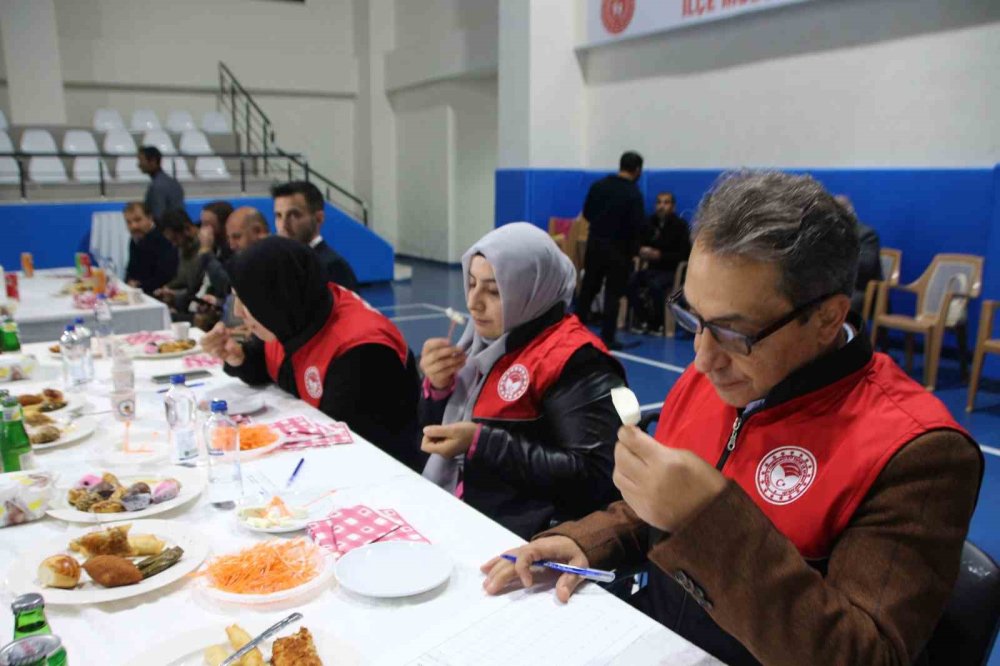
[891, 260]
[943, 293]
[669, 323]
[984, 345]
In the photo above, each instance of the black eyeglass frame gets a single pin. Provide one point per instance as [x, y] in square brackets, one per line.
[727, 337]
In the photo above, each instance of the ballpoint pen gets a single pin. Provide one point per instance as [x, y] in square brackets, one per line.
[591, 574]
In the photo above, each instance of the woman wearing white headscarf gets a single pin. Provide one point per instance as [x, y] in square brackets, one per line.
[527, 428]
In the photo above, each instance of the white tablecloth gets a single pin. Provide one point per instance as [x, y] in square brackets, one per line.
[455, 624]
[43, 312]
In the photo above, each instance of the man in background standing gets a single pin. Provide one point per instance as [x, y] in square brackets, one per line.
[664, 242]
[299, 214]
[615, 212]
[164, 192]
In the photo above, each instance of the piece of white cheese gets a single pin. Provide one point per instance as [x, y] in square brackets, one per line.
[626, 404]
[455, 316]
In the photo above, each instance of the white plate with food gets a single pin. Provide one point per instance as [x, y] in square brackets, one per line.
[49, 401]
[292, 647]
[51, 435]
[389, 569]
[240, 399]
[110, 563]
[289, 512]
[116, 495]
[259, 439]
[294, 568]
[163, 349]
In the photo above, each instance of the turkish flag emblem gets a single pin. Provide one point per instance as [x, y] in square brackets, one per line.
[617, 14]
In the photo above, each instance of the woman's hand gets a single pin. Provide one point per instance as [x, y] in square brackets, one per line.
[440, 361]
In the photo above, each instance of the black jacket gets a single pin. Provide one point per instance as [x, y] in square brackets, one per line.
[337, 269]
[152, 261]
[671, 237]
[527, 475]
[869, 264]
[282, 284]
[615, 211]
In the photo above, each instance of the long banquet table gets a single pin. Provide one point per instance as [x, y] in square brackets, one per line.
[454, 624]
[43, 311]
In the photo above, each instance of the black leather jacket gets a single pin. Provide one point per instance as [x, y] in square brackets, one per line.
[527, 475]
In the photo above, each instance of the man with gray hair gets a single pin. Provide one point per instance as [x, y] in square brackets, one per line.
[803, 501]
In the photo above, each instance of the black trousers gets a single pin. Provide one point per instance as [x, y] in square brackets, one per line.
[604, 263]
[647, 294]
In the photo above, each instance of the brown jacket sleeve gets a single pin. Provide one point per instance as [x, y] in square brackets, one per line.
[888, 579]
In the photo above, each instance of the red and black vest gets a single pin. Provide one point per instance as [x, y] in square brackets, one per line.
[809, 462]
[519, 380]
[351, 323]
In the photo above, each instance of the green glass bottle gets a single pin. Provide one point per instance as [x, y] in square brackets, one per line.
[30, 620]
[44, 650]
[15, 447]
[9, 339]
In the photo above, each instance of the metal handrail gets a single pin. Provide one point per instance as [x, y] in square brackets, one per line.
[245, 125]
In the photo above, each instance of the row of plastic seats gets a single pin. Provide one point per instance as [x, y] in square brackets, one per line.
[212, 122]
[87, 170]
[116, 142]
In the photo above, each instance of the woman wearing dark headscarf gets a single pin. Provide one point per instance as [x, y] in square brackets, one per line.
[528, 428]
[323, 344]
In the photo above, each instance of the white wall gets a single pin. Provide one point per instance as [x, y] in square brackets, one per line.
[296, 59]
[426, 182]
[31, 61]
[846, 83]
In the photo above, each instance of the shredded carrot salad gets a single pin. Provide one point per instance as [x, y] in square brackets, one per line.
[273, 566]
[256, 436]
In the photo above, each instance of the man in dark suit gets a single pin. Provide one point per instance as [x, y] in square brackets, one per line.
[299, 214]
[615, 212]
[152, 260]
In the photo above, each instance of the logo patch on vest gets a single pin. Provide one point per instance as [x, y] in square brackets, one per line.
[314, 383]
[514, 383]
[785, 474]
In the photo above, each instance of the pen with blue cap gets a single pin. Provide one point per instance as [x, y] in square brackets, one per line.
[599, 575]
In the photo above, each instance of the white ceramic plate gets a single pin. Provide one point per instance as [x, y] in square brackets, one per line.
[78, 430]
[192, 484]
[138, 352]
[324, 559]
[188, 649]
[23, 574]
[240, 399]
[253, 454]
[393, 569]
[74, 403]
[316, 510]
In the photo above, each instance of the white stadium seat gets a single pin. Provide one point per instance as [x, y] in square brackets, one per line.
[87, 170]
[9, 174]
[194, 142]
[144, 119]
[6, 145]
[3, 120]
[119, 142]
[161, 140]
[211, 168]
[214, 122]
[39, 142]
[46, 170]
[177, 167]
[179, 121]
[79, 141]
[127, 170]
[106, 120]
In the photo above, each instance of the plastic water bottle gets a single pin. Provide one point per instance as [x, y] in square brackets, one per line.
[103, 330]
[180, 406]
[222, 441]
[75, 358]
[86, 340]
[122, 370]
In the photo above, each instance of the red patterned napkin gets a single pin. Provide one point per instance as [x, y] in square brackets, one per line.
[352, 527]
[201, 361]
[304, 433]
[145, 337]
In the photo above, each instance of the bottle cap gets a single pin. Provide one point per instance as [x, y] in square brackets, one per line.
[219, 406]
[27, 602]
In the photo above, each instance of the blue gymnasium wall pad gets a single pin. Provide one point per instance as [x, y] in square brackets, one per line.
[54, 231]
[922, 212]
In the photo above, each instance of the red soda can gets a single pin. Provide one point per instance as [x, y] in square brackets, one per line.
[10, 279]
[85, 263]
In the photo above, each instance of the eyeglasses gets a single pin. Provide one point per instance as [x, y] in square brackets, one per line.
[730, 340]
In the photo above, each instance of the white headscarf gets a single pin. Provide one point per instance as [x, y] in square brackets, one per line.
[532, 276]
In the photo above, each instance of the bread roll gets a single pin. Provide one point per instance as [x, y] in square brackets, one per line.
[59, 571]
